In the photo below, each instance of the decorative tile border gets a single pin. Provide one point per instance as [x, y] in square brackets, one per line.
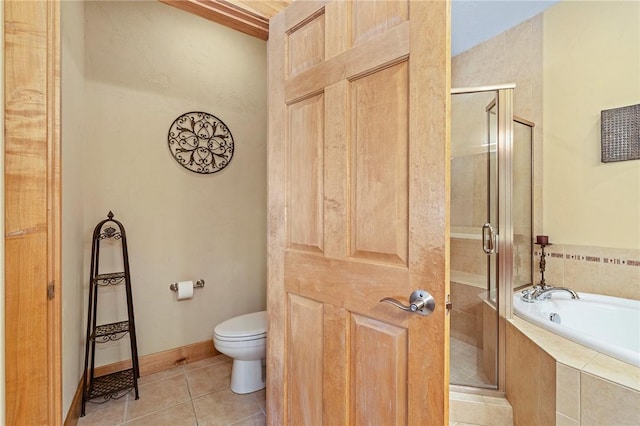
[617, 261]
[593, 259]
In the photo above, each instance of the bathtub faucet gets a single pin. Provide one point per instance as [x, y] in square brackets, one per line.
[544, 293]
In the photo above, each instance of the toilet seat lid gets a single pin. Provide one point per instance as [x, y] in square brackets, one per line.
[243, 326]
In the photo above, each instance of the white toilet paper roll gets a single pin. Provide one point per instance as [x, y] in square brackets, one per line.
[185, 290]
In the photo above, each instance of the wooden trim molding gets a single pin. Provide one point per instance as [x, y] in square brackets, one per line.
[149, 364]
[227, 14]
[76, 407]
[164, 360]
[33, 376]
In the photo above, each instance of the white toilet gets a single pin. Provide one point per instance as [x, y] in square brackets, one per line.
[243, 338]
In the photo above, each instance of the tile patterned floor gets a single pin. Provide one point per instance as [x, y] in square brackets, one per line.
[196, 394]
[466, 365]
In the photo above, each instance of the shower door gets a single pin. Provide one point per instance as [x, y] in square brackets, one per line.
[481, 233]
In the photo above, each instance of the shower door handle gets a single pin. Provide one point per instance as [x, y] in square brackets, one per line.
[489, 239]
[420, 302]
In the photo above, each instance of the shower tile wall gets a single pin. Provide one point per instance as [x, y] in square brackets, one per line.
[467, 257]
[468, 191]
[514, 56]
[466, 320]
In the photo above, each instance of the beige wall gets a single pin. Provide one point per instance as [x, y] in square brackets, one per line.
[146, 64]
[73, 142]
[591, 63]
[591, 209]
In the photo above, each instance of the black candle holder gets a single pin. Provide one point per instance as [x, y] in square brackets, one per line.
[543, 263]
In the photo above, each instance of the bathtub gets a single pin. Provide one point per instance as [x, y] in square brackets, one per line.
[609, 325]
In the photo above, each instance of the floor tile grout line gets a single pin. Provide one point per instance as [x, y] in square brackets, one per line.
[158, 411]
[160, 379]
[127, 403]
[195, 414]
[245, 418]
[193, 406]
[155, 411]
[126, 420]
[186, 379]
[255, 396]
[126, 407]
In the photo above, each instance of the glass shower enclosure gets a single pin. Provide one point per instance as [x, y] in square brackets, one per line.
[491, 228]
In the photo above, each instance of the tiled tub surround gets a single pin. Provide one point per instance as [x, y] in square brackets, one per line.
[467, 409]
[598, 270]
[553, 380]
[590, 388]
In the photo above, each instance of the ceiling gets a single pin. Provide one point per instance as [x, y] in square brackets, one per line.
[472, 21]
[265, 8]
[475, 21]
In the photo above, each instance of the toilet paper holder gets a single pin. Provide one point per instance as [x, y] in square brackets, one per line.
[197, 284]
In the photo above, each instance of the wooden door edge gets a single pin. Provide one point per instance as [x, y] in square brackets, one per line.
[54, 226]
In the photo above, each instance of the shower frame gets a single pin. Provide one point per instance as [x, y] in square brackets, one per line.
[505, 240]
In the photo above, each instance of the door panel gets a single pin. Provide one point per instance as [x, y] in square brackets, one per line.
[335, 383]
[305, 360]
[358, 201]
[306, 45]
[306, 120]
[379, 376]
[379, 175]
[388, 47]
[373, 18]
[26, 375]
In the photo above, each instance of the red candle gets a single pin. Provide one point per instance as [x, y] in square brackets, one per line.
[543, 240]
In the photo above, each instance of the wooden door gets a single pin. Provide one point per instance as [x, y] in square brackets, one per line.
[358, 206]
[32, 213]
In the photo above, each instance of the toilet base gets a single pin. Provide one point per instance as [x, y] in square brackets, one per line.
[246, 376]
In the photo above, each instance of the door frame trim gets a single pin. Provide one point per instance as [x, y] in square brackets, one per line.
[48, 71]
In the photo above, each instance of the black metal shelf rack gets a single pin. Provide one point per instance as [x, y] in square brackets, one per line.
[119, 383]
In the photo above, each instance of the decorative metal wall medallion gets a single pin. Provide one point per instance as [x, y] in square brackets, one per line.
[201, 142]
